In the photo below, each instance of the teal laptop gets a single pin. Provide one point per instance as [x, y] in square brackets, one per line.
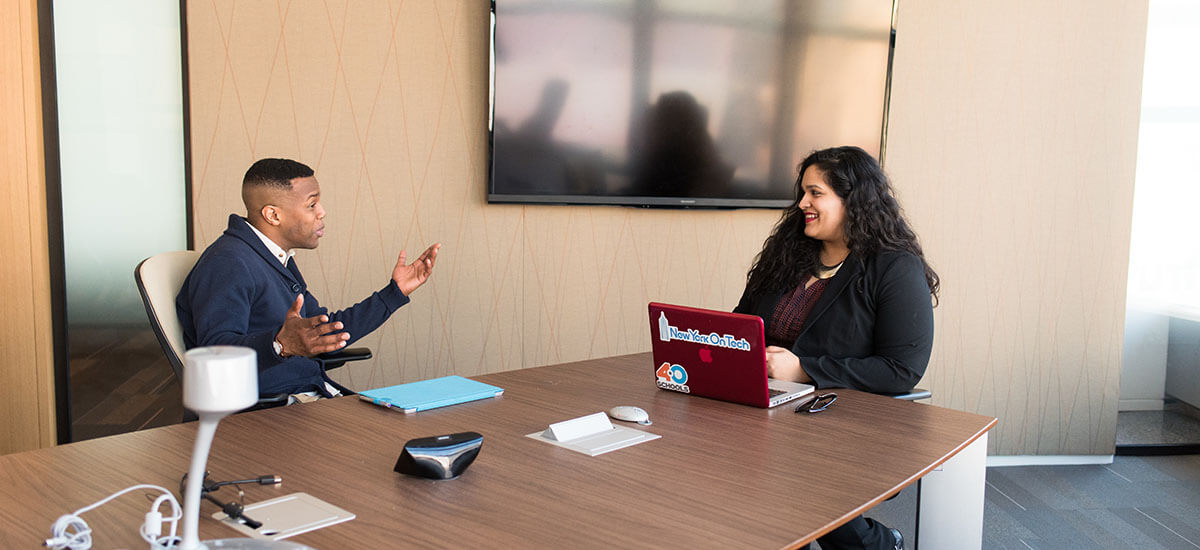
[430, 394]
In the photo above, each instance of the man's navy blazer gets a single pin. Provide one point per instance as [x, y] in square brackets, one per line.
[238, 294]
[871, 329]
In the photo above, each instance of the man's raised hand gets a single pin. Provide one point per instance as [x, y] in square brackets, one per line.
[409, 277]
[309, 336]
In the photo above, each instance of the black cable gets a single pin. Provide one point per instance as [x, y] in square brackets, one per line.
[261, 480]
[234, 510]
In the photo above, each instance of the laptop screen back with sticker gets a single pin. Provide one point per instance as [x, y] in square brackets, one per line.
[715, 354]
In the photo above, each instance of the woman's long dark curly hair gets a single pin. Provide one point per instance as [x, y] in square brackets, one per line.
[874, 223]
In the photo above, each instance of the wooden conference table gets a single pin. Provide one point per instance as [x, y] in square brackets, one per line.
[722, 475]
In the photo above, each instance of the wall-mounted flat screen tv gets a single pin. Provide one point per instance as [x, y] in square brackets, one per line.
[678, 103]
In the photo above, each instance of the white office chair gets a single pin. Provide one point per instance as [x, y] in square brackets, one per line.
[159, 279]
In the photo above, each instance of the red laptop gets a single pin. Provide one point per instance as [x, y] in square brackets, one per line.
[715, 354]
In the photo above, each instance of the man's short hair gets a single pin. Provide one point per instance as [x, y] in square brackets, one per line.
[277, 173]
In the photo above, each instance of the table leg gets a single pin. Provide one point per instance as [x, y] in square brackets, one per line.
[951, 501]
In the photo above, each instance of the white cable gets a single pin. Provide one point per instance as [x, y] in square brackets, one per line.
[152, 528]
[70, 532]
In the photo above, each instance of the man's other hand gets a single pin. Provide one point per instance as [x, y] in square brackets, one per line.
[409, 277]
[309, 336]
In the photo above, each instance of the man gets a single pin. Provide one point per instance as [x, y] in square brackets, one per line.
[246, 290]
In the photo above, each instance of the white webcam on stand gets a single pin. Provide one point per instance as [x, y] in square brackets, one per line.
[217, 381]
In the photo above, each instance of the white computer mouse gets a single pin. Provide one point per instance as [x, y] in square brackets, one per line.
[629, 413]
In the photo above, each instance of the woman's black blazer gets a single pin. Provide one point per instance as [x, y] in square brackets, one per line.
[871, 329]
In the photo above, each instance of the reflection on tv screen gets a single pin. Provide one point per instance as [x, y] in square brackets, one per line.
[680, 102]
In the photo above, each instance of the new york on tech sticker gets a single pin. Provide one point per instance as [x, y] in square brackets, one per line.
[666, 333]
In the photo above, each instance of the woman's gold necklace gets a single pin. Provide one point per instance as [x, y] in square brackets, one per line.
[826, 271]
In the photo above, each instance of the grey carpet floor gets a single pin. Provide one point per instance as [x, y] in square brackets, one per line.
[1135, 502]
[1142, 502]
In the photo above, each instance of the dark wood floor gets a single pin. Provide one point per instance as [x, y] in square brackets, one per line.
[120, 381]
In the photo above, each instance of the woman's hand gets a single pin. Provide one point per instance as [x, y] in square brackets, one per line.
[782, 364]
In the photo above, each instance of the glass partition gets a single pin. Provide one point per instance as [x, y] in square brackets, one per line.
[118, 67]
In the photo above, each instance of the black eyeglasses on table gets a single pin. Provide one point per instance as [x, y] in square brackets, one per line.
[817, 403]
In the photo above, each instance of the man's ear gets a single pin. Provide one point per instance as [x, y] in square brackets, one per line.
[271, 214]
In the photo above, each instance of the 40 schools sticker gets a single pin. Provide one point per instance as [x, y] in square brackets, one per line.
[672, 377]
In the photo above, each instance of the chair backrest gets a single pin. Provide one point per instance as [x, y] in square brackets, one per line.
[159, 279]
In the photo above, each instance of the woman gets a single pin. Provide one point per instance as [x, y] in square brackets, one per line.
[845, 295]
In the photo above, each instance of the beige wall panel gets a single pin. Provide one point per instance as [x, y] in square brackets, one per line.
[27, 395]
[388, 103]
[1013, 140]
[594, 269]
[1012, 143]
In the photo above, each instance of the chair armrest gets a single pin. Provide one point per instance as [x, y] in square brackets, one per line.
[269, 402]
[330, 361]
[264, 402]
[913, 394]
